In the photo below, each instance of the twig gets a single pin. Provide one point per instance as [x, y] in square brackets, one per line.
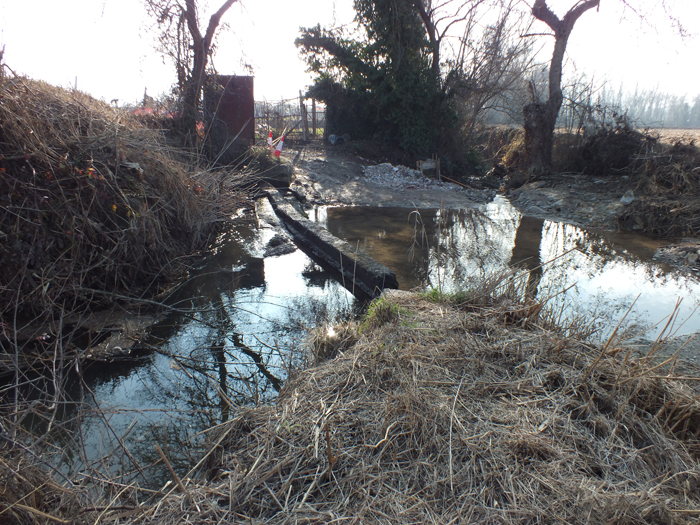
[452, 413]
[173, 474]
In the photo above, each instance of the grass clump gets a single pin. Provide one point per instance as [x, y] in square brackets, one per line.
[379, 312]
[464, 415]
[668, 182]
[436, 295]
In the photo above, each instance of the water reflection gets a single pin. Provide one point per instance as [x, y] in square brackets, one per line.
[236, 328]
[605, 271]
[237, 324]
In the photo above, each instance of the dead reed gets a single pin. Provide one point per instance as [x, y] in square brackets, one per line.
[669, 181]
[92, 201]
[475, 411]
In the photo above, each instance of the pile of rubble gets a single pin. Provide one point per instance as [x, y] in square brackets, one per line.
[402, 177]
[685, 255]
[399, 177]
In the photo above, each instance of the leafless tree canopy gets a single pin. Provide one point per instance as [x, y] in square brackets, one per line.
[180, 38]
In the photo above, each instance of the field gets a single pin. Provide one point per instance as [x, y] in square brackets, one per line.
[671, 135]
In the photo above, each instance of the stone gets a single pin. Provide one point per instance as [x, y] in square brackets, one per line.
[627, 198]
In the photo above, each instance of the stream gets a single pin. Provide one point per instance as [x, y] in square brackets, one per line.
[242, 319]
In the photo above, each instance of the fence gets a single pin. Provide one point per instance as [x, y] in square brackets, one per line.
[296, 117]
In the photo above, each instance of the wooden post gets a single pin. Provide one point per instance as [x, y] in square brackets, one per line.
[304, 120]
[313, 115]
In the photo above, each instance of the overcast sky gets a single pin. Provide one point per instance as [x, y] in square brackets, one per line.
[103, 44]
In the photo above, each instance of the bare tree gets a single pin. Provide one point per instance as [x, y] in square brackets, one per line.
[490, 63]
[540, 118]
[439, 17]
[181, 38]
[476, 51]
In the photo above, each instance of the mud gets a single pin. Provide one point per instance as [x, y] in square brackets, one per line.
[324, 174]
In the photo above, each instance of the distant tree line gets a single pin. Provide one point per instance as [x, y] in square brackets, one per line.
[657, 109]
[587, 104]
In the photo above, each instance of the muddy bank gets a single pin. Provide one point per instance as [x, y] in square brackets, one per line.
[324, 174]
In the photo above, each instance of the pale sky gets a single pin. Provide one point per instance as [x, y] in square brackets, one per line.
[103, 44]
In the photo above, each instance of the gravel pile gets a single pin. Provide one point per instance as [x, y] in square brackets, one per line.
[399, 177]
[686, 255]
[402, 177]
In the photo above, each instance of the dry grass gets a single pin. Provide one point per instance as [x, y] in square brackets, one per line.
[474, 408]
[668, 180]
[91, 201]
[477, 412]
[673, 135]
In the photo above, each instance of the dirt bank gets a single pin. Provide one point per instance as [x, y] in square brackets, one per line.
[325, 174]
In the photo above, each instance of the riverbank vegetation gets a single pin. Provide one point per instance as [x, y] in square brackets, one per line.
[95, 208]
[661, 168]
[477, 407]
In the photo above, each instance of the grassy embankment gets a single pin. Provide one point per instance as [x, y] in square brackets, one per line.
[481, 407]
[95, 208]
[97, 213]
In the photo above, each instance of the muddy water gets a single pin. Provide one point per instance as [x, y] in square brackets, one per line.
[605, 273]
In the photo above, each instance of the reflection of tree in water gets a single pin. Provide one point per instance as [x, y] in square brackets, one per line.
[317, 276]
[594, 252]
[526, 251]
[606, 272]
[467, 244]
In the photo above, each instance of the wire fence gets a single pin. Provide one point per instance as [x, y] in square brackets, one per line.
[296, 117]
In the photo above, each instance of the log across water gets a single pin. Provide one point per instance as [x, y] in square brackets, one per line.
[362, 275]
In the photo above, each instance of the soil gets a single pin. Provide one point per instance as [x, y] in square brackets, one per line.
[334, 175]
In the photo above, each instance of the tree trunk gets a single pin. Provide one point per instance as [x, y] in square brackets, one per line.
[432, 37]
[201, 48]
[540, 118]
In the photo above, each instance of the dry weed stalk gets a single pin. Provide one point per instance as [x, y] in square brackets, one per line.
[460, 413]
[93, 199]
[95, 210]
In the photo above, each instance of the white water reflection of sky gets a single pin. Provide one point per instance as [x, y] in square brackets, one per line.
[606, 271]
[612, 281]
[202, 369]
